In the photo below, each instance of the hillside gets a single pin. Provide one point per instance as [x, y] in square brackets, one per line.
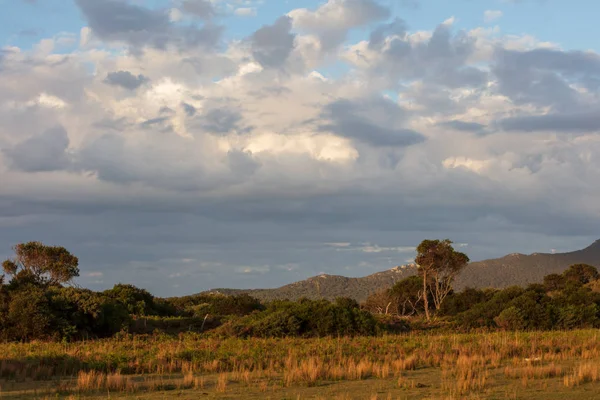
[513, 269]
[521, 269]
[330, 286]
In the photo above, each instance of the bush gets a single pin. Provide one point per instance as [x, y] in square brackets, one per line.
[306, 318]
[215, 305]
[510, 319]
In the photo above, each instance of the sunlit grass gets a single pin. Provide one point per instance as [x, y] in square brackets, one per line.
[458, 365]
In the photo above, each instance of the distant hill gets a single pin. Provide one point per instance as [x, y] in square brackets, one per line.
[513, 269]
[521, 269]
[330, 286]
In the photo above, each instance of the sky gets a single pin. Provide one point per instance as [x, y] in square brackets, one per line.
[184, 145]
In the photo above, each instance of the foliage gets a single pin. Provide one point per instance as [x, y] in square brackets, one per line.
[439, 264]
[45, 264]
[306, 318]
[465, 300]
[403, 299]
[563, 301]
[34, 304]
[137, 301]
[582, 273]
[215, 305]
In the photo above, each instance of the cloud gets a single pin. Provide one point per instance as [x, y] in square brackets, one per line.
[203, 9]
[464, 126]
[44, 152]
[245, 12]
[232, 163]
[547, 77]
[352, 119]
[440, 58]
[332, 21]
[492, 15]
[588, 122]
[371, 248]
[220, 120]
[125, 79]
[137, 26]
[272, 44]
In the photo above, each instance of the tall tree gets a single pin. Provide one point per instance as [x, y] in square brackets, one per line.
[45, 264]
[439, 264]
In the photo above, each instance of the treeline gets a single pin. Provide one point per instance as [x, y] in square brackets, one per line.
[37, 302]
[563, 301]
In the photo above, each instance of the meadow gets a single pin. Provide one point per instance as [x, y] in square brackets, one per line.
[497, 365]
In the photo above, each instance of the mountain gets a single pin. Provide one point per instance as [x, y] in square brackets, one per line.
[513, 269]
[330, 286]
[521, 269]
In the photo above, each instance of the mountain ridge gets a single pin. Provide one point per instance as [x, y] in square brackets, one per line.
[512, 269]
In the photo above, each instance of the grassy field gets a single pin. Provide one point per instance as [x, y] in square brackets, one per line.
[536, 365]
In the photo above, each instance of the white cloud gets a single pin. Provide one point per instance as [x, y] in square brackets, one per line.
[245, 12]
[492, 15]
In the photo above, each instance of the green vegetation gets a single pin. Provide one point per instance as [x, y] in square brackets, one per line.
[38, 304]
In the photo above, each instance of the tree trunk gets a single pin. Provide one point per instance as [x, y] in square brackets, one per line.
[425, 299]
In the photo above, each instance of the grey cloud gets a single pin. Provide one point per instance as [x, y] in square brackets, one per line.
[29, 32]
[578, 122]
[242, 163]
[149, 161]
[220, 120]
[272, 44]
[544, 76]
[463, 126]
[189, 109]
[397, 27]
[125, 79]
[349, 120]
[442, 60]
[200, 8]
[115, 20]
[166, 110]
[44, 152]
[333, 20]
[154, 121]
[118, 124]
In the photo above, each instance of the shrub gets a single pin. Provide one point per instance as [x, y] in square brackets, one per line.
[306, 318]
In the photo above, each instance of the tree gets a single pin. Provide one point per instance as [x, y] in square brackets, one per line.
[581, 273]
[554, 282]
[139, 302]
[379, 302]
[43, 264]
[439, 264]
[407, 296]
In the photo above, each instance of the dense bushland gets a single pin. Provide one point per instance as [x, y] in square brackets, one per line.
[563, 301]
[37, 302]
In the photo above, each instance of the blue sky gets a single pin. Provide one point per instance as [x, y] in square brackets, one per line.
[210, 149]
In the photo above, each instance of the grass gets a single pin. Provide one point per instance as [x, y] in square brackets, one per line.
[534, 365]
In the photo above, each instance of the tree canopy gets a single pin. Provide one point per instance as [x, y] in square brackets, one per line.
[44, 264]
[439, 264]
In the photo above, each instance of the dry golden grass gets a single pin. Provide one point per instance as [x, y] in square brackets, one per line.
[467, 366]
[583, 373]
[222, 382]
